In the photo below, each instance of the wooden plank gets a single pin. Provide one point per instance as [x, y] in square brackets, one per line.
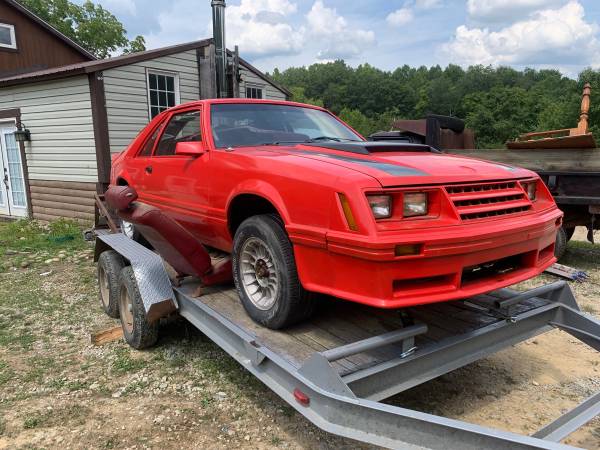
[63, 206]
[541, 160]
[60, 192]
[61, 213]
[106, 336]
[65, 185]
[74, 200]
[51, 218]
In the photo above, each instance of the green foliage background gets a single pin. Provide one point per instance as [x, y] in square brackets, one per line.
[90, 25]
[498, 103]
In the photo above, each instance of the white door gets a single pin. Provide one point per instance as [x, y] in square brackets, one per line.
[13, 200]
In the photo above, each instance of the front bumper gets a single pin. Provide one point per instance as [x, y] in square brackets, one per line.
[455, 262]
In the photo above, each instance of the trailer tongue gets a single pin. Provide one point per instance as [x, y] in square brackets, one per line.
[336, 369]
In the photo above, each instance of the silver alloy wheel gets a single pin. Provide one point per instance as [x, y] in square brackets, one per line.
[259, 274]
[127, 229]
[104, 286]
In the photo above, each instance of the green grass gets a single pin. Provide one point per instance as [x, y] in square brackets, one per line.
[124, 363]
[6, 373]
[33, 421]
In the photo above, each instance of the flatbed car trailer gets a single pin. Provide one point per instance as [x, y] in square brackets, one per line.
[337, 368]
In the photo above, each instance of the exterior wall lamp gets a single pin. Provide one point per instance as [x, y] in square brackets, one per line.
[22, 134]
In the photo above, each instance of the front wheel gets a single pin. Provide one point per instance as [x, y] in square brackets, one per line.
[265, 275]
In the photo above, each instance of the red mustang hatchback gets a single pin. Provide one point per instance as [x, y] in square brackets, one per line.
[304, 204]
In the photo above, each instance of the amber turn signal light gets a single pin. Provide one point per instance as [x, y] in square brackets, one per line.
[408, 249]
[348, 212]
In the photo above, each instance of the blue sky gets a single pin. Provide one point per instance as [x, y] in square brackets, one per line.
[562, 34]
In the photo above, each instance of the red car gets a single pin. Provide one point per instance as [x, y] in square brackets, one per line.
[305, 205]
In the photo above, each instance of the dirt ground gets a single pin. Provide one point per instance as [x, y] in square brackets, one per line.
[59, 391]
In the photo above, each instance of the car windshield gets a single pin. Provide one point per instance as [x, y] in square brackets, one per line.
[250, 124]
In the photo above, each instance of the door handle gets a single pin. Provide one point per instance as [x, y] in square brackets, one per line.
[148, 169]
[6, 181]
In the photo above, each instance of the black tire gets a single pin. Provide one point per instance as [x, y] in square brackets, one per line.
[110, 264]
[292, 303]
[129, 230]
[138, 333]
[569, 232]
[561, 243]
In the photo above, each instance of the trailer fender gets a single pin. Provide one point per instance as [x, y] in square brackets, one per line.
[150, 274]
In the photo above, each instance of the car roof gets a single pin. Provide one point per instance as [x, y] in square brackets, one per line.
[217, 101]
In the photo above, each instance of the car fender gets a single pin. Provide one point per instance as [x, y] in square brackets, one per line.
[263, 189]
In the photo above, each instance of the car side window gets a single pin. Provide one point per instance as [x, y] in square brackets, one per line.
[182, 127]
[149, 145]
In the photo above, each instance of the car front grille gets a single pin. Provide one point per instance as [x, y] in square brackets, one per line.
[485, 200]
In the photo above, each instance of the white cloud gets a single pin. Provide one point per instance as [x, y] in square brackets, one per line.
[428, 4]
[337, 38]
[545, 37]
[400, 17]
[259, 27]
[495, 11]
[118, 7]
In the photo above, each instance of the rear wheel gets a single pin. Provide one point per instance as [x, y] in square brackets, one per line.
[137, 331]
[110, 264]
[265, 274]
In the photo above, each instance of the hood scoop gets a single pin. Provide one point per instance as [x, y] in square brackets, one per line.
[367, 147]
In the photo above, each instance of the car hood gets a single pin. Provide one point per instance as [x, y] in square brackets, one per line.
[411, 168]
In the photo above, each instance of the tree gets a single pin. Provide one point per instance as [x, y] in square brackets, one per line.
[497, 103]
[90, 25]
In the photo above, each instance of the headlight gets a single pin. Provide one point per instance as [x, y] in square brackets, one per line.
[415, 204]
[381, 205]
[531, 189]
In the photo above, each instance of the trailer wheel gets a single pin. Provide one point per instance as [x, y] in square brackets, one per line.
[265, 275]
[138, 332]
[110, 264]
[129, 230]
[561, 243]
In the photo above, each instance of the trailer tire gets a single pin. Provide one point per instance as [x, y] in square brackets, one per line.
[561, 243]
[283, 301]
[110, 264]
[137, 331]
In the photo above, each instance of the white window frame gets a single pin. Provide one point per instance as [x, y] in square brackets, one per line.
[255, 86]
[175, 75]
[13, 36]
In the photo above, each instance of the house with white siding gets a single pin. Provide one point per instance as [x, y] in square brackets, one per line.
[78, 114]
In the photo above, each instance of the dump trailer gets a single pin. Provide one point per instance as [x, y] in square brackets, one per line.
[337, 368]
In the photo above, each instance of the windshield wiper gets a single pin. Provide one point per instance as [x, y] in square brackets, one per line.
[308, 141]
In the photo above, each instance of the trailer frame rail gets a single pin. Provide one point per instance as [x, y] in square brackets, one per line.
[350, 404]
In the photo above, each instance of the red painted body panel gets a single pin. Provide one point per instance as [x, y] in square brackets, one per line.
[303, 182]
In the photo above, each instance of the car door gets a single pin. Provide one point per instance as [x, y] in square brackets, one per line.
[179, 184]
[139, 167]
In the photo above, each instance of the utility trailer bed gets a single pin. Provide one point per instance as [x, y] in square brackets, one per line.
[336, 368]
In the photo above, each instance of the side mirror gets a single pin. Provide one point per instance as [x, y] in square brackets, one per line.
[190, 148]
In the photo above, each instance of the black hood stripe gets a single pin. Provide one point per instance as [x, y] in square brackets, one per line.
[391, 169]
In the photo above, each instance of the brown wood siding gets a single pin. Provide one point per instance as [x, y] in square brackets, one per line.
[37, 48]
[51, 200]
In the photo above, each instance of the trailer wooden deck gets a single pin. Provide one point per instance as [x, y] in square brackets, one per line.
[337, 322]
